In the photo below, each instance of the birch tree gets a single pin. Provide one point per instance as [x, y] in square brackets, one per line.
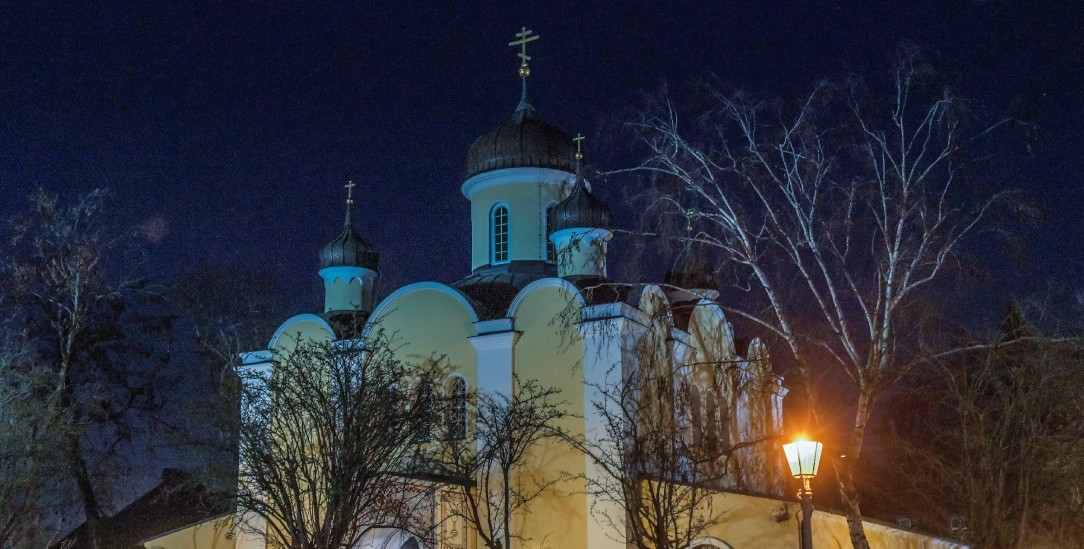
[832, 214]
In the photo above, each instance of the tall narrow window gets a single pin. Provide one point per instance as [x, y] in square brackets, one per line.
[455, 414]
[551, 250]
[498, 234]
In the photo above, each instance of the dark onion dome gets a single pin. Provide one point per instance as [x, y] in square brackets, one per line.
[349, 250]
[525, 141]
[580, 209]
[690, 270]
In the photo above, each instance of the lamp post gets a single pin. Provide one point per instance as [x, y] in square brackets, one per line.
[804, 458]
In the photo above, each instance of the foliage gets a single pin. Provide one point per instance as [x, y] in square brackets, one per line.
[328, 445]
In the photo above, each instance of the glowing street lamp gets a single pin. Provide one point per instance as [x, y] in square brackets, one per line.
[804, 458]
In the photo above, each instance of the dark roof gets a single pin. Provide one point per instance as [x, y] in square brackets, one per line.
[492, 288]
[346, 324]
[524, 141]
[349, 250]
[580, 209]
[176, 502]
[597, 289]
[690, 270]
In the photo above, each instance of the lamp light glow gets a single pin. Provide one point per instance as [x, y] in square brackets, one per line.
[804, 457]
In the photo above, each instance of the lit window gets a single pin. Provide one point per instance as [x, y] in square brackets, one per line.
[455, 414]
[498, 225]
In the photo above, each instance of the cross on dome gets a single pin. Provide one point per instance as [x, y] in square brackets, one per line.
[523, 37]
[349, 200]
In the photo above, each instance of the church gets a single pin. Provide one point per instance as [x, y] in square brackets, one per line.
[539, 248]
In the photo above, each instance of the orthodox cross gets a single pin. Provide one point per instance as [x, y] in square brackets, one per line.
[349, 193]
[579, 146]
[522, 38]
[349, 200]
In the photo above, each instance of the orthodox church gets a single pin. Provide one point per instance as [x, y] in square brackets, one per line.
[539, 249]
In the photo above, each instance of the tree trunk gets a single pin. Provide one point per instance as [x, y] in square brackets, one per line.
[91, 508]
[845, 471]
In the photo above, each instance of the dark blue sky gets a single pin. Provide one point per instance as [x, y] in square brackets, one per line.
[234, 125]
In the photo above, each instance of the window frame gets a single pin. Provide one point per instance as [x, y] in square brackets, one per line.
[455, 411]
[495, 255]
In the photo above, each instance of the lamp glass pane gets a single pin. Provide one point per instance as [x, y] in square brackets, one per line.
[803, 457]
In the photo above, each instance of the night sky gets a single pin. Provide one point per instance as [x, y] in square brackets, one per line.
[231, 127]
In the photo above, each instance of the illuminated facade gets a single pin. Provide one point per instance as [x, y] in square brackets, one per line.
[538, 305]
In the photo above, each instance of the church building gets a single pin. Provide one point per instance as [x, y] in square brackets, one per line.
[538, 303]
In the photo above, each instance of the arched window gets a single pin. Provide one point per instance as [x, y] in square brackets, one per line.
[551, 250]
[423, 406]
[455, 412]
[498, 234]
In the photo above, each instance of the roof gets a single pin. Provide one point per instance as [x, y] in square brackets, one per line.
[349, 250]
[580, 209]
[176, 502]
[526, 140]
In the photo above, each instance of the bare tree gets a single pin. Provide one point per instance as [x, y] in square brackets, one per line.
[654, 480]
[22, 449]
[329, 446]
[831, 216]
[94, 333]
[998, 444]
[488, 465]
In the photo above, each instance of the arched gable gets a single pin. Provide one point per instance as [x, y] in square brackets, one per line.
[307, 324]
[385, 306]
[711, 335]
[759, 363]
[429, 323]
[571, 288]
[655, 309]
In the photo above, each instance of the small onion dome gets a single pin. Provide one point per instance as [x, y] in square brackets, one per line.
[690, 271]
[525, 141]
[580, 209]
[349, 250]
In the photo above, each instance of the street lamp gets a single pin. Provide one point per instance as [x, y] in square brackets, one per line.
[804, 458]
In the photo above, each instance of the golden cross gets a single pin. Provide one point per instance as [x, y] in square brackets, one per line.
[524, 36]
[349, 193]
[579, 149]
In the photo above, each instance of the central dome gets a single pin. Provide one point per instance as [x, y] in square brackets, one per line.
[525, 141]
